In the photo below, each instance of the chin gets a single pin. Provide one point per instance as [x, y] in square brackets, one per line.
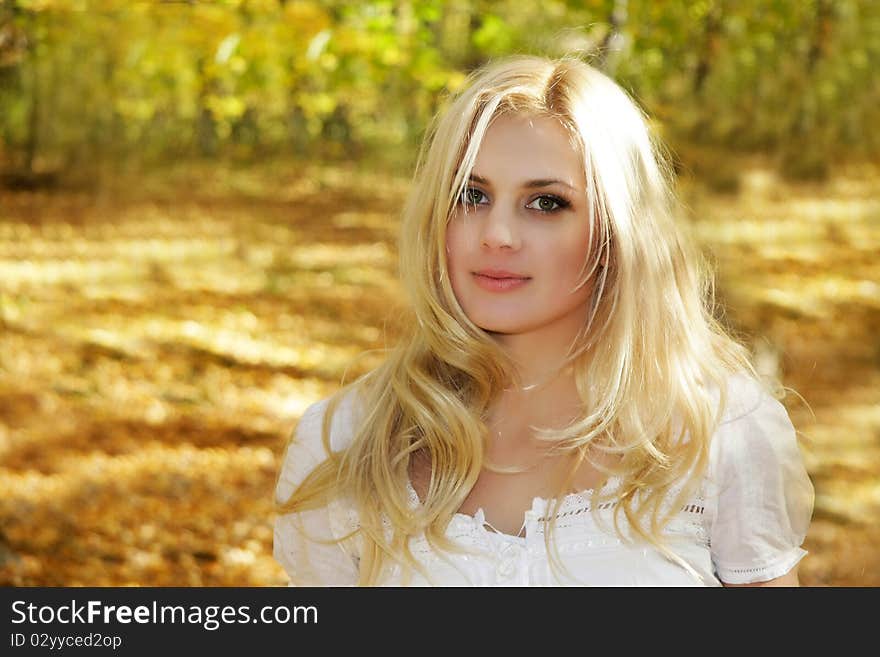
[499, 328]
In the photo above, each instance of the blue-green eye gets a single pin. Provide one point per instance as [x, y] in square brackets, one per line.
[472, 196]
[546, 203]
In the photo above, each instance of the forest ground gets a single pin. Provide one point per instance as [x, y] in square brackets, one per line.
[161, 334]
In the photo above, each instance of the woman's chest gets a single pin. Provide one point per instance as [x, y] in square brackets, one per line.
[581, 554]
[504, 498]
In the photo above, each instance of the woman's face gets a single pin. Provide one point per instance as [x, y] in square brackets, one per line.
[520, 234]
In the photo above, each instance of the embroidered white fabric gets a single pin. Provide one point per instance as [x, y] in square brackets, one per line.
[746, 524]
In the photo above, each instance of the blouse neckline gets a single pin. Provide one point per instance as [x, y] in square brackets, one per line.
[540, 506]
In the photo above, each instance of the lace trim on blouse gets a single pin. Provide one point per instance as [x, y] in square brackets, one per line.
[573, 512]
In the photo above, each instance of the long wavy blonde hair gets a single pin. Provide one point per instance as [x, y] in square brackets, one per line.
[646, 362]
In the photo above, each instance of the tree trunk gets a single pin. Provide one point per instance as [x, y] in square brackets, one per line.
[31, 144]
[710, 46]
[456, 31]
[206, 130]
[804, 155]
[821, 34]
[612, 43]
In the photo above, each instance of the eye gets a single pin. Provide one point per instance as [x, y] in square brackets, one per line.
[547, 203]
[472, 196]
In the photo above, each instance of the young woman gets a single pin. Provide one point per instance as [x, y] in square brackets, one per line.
[564, 408]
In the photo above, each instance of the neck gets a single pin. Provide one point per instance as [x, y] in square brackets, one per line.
[547, 394]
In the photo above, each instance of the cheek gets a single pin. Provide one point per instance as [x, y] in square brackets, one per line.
[452, 253]
[457, 249]
[569, 257]
[455, 240]
[576, 255]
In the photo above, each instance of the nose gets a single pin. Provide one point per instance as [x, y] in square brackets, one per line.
[499, 231]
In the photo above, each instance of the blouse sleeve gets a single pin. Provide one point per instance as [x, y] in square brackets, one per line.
[765, 500]
[298, 537]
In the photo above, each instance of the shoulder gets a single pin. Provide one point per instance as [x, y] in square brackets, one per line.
[743, 395]
[306, 448]
[754, 431]
[347, 407]
[763, 495]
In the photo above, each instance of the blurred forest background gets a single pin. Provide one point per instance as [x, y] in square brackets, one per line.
[198, 215]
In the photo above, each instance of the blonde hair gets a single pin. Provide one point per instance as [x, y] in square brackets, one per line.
[647, 392]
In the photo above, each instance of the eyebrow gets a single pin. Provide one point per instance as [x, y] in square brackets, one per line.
[531, 184]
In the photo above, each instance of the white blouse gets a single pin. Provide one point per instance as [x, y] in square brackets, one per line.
[746, 524]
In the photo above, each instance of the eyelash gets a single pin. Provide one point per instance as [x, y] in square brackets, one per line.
[561, 203]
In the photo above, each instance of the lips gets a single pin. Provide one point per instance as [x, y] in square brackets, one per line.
[500, 274]
[499, 280]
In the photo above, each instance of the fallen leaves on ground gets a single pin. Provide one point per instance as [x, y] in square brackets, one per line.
[159, 346]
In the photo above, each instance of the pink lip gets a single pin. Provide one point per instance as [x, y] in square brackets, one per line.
[499, 280]
[499, 273]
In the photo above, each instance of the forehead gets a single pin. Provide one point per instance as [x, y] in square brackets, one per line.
[522, 147]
